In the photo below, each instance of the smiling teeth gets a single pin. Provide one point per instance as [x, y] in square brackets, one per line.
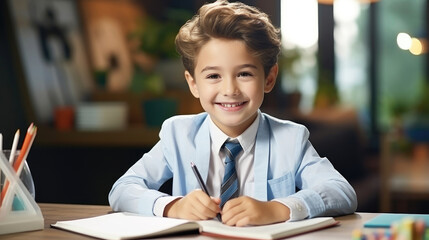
[229, 105]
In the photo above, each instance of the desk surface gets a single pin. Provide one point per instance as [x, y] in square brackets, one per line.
[58, 212]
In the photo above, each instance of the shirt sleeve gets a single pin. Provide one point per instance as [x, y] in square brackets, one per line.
[323, 190]
[161, 203]
[298, 210]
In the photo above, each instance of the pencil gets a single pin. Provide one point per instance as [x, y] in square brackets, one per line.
[25, 147]
[14, 146]
[18, 164]
[12, 151]
[18, 168]
[199, 178]
[202, 185]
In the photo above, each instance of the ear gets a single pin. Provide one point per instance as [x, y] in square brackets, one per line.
[270, 81]
[192, 84]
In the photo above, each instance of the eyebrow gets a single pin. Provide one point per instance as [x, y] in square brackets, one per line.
[209, 68]
[247, 65]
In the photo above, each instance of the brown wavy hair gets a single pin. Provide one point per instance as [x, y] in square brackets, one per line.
[237, 21]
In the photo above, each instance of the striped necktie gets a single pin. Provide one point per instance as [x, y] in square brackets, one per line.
[229, 187]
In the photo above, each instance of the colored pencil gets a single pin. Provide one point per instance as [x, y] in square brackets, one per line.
[19, 166]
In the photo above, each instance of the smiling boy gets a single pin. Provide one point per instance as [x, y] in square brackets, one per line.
[230, 53]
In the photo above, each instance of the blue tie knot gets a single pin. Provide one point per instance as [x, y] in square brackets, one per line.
[233, 149]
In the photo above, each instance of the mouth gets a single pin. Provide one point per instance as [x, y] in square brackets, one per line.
[231, 105]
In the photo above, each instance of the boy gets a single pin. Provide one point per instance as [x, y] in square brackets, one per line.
[230, 53]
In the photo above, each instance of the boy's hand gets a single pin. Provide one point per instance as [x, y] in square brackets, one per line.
[244, 211]
[197, 205]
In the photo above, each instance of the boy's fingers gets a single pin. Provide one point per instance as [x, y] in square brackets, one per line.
[232, 218]
[202, 205]
[231, 204]
[211, 205]
[192, 208]
[209, 202]
[216, 200]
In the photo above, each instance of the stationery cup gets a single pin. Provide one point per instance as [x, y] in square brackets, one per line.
[26, 177]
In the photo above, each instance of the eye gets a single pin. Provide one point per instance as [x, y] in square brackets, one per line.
[245, 74]
[213, 76]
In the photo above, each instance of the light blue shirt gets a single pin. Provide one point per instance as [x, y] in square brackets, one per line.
[284, 160]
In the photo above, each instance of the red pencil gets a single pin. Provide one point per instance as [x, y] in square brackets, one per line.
[19, 163]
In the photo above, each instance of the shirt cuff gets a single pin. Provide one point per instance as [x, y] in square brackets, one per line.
[298, 210]
[160, 203]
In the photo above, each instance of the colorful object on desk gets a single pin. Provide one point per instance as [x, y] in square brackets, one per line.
[18, 204]
[385, 220]
[19, 212]
[406, 228]
[19, 162]
[357, 234]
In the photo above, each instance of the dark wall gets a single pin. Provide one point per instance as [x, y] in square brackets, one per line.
[81, 175]
[13, 110]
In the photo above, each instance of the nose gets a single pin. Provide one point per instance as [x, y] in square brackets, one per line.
[230, 87]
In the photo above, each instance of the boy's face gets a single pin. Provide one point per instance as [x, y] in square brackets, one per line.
[230, 83]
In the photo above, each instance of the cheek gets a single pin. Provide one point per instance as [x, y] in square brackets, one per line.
[256, 92]
[205, 92]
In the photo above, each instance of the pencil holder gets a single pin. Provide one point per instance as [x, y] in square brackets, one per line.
[25, 176]
[18, 210]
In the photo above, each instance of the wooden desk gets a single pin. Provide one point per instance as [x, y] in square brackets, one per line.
[56, 212]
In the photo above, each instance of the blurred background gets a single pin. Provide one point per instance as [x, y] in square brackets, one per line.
[98, 77]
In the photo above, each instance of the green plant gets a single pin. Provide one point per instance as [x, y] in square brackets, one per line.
[422, 106]
[156, 35]
[327, 92]
[155, 42]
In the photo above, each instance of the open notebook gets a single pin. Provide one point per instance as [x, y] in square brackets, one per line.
[132, 226]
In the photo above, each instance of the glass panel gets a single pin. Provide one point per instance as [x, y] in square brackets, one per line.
[351, 51]
[352, 55]
[400, 72]
[299, 35]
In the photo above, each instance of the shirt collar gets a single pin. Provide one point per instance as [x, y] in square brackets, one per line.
[246, 139]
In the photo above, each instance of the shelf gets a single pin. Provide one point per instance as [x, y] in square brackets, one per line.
[137, 136]
[404, 174]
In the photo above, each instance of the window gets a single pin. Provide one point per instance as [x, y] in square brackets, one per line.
[399, 74]
[299, 39]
